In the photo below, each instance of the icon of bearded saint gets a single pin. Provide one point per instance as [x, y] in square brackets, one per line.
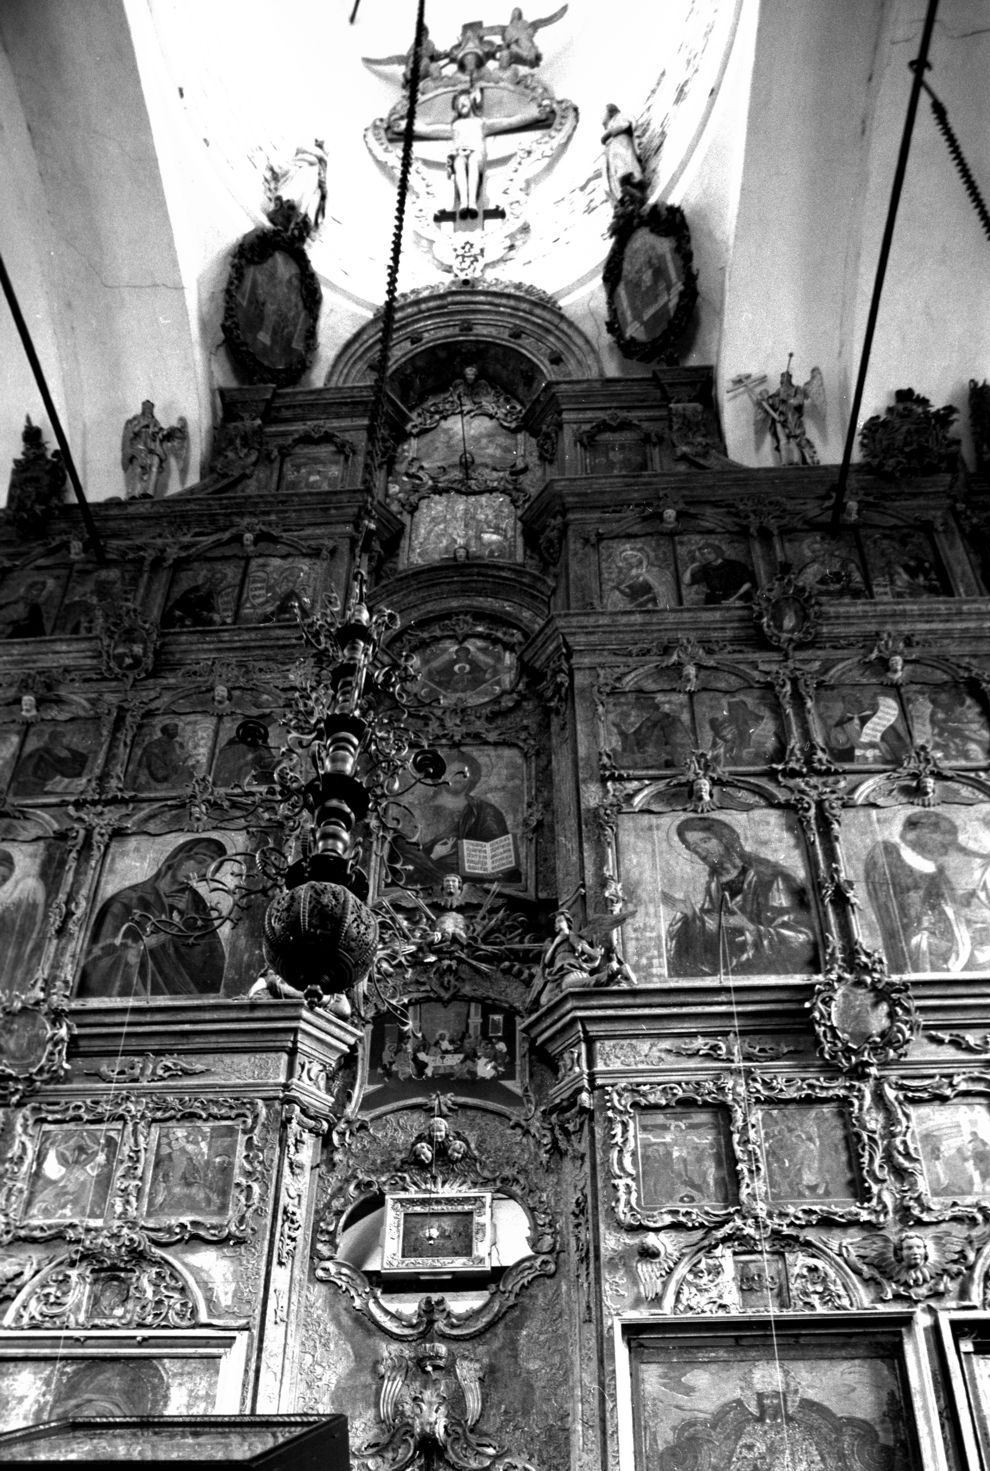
[754, 917]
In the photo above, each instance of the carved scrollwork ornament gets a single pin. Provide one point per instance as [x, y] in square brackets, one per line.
[300, 1129]
[33, 1044]
[743, 1268]
[110, 1278]
[398, 1154]
[764, 512]
[687, 655]
[430, 1402]
[863, 1017]
[924, 772]
[555, 689]
[661, 234]
[132, 1124]
[271, 263]
[787, 613]
[549, 439]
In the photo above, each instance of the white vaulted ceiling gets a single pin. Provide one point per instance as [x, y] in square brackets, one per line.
[134, 136]
[258, 78]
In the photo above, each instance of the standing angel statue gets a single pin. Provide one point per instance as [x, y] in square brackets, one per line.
[145, 449]
[576, 958]
[782, 411]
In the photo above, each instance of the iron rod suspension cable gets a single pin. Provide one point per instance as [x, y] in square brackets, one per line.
[376, 418]
[53, 415]
[941, 115]
[918, 67]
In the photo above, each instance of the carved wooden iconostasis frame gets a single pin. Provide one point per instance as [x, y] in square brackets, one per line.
[720, 784]
[851, 1384]
[888, 554]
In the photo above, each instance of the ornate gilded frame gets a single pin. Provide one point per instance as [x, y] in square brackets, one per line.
[761, 1373]
[133, 1122]
[405, 1208]
[920, 1203]
[740, 1098]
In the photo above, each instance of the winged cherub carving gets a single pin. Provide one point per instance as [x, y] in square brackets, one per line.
[909, 1264]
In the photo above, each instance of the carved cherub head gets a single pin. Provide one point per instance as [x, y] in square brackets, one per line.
[912, 1256]
[451, 890]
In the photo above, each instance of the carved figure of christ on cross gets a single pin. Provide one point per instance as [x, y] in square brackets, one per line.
[467, 132]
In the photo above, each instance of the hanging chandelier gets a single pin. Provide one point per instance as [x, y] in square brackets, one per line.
[346, 723]
[320, 935]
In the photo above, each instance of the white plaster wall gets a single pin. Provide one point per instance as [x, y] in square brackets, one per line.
[797, 242]
[933, 331]
[707, 184]
[25, 242]
[135, 132]
[829, 97]
[257, 79]
[118, 293]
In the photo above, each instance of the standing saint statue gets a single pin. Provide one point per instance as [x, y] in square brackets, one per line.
[623, 168]
[144, 451]
[301, 186]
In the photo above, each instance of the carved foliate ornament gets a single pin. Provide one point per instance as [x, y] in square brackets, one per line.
[33, 1044]
[760, 1277]
[909, 438]
[651, 285]
[745, 1151]
[932, 1189]
[429, 1402]
[390, 1154]
[862, 1017]
[272, 305]
[179, 1167]
[37, 483]
[113, 1279]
